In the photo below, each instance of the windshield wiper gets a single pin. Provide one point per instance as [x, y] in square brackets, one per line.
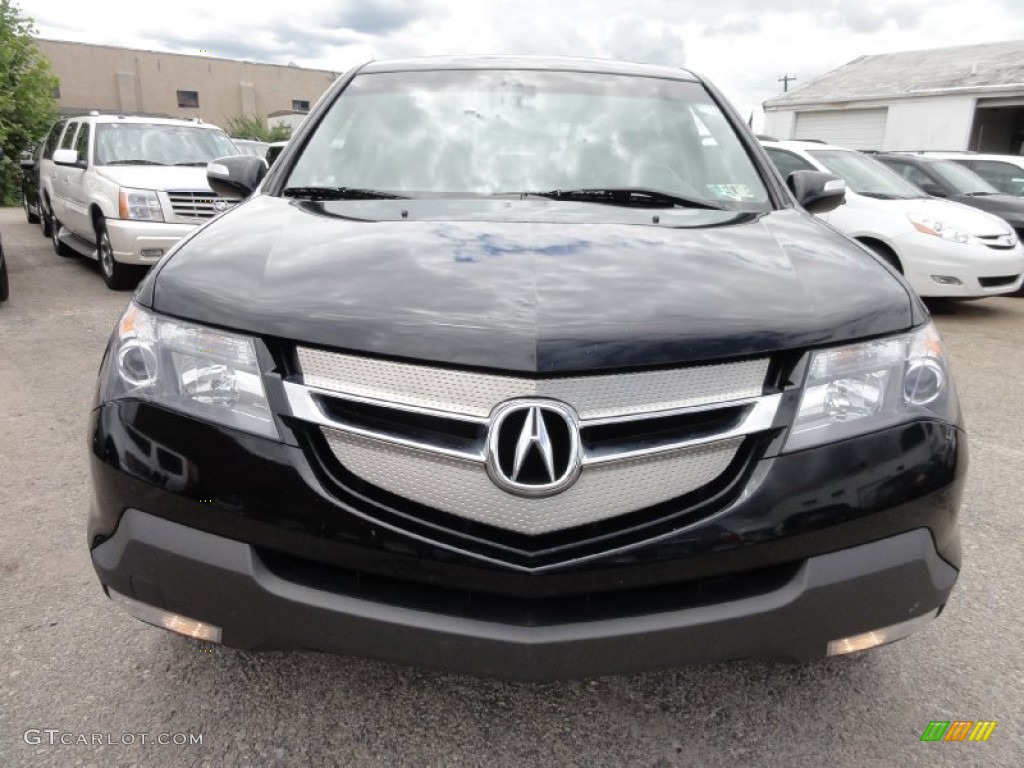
[194, 163]
[628, 196]
[341, 193]
[134, 162]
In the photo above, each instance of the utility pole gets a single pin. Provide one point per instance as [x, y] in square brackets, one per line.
[785, 82]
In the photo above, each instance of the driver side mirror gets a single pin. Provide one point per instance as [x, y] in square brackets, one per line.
[933, 189]
[816, 191]
[236, 176]
[65, 157]
[27, 161]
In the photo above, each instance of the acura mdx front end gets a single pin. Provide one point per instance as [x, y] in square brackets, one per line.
[528, 368]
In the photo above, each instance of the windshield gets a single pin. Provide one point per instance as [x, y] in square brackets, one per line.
[158, 144]
[964, 180]
[486, 132]
[866, 176]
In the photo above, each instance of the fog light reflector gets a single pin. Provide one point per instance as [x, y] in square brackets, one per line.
[877, 637]
[175, 622]
[946, 280]
[152, 253]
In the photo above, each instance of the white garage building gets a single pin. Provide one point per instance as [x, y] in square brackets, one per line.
[966, 97]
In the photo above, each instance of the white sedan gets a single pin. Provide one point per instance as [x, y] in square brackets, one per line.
[944, 249]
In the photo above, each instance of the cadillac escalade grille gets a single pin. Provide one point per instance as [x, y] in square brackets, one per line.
[198, 205]
[423, 433]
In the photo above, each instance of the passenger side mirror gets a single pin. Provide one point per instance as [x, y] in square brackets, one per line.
[65, 157]
[816, 191]
[236, 176]
[27, 161]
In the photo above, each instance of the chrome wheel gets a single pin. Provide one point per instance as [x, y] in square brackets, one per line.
[106, 254]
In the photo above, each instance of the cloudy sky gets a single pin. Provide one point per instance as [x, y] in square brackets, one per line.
[742, 45]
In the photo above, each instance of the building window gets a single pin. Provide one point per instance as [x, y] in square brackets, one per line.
[56, 92]
[188, 99]
[300, 105]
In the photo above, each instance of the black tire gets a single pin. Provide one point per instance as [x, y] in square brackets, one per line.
[33, 218]
[58, 247]
[117, 276]
[44, 220]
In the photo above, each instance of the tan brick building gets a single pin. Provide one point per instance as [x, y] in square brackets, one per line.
[114, 79]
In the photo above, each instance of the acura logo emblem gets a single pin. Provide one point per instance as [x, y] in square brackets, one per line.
[220, 205]
[533, 447]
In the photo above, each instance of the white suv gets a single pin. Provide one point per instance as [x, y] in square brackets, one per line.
[123, 189]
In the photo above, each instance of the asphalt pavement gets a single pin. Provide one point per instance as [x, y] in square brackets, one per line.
[78, 672]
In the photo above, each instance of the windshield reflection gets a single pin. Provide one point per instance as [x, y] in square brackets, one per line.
[486, 132]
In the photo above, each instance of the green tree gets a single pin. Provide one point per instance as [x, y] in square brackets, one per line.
[27, 105]
[255, 127]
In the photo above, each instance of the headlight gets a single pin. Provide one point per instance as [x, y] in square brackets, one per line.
[203, 372]
[929, 225]
[872, 385]
[141, 204]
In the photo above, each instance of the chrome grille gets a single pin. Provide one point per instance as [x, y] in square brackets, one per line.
[463, 488]
[197, 205]
[422, 432]
[476, 394]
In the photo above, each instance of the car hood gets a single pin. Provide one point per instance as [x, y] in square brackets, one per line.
[1006, 207]
[959, 216]
[523, 295]
[159, 177]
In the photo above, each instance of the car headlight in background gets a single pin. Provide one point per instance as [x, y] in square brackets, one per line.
[868, 386]
[139, 204]
[203, 372]
[929, 225]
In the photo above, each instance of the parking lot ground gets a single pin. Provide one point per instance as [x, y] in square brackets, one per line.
[71, 661]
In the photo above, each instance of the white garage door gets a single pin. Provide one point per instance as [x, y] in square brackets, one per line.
[853, 128]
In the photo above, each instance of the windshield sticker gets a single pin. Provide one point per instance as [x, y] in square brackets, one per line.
[731, 191]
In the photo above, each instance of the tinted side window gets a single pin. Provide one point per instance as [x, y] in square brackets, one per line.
[787, 162]
[82, 144]
[53, 138]
[1006, 177]
[69, 137]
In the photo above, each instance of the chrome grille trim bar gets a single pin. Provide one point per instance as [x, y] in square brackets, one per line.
[304, 406]
[759, 416]
[474, 394]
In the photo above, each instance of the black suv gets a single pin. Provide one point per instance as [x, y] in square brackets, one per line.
[530, 368]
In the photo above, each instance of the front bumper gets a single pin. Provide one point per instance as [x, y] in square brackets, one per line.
[144, 242]
[225, 583]
[924, 256]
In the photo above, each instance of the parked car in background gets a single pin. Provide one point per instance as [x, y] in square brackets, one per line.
[250, 147]
[274, 150]
[123, 190]
[1004, 172]
[5, 287]
[564, 382]
[29, 163]
[944, 249]
[950, 180]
